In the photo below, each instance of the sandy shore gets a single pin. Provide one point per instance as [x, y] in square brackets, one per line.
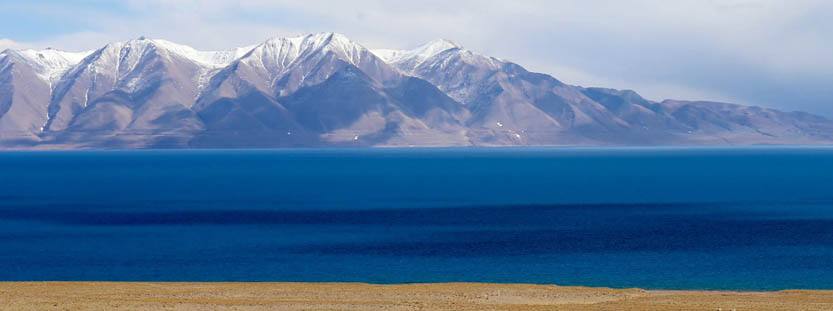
[326, 296]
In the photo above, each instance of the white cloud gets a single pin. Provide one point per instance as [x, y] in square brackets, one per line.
[745, 50]
[10, 44]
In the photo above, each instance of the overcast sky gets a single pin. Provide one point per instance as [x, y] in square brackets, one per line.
[768, 53]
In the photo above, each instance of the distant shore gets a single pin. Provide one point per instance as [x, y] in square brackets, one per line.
[353, 296]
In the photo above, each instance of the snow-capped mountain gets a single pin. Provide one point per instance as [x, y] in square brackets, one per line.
[327, 90]
[27, 78]
[321, 88]
[281, 66]
[51, 64]
[509, 105]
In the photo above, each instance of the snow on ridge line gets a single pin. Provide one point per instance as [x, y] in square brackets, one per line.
[418, 54]
[210, 58]
[280, 52]
[388, 55]
[225, 57]
[54, 63]
[316, 39]
[50, 64]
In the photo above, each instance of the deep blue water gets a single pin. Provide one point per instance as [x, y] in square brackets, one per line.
[751, 218]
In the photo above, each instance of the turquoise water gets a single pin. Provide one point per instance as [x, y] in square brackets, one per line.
[750, 218]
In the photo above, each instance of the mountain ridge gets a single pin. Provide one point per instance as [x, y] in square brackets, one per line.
[325, 89]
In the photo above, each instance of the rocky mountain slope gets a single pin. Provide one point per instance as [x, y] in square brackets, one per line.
[327, 90]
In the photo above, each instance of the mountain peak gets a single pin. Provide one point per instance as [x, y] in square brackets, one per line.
[440, 45]
[438, 93]
[313, 40]
[433, 48]
[279, 53]
[210, 59]
[419, 54]
[50, 63]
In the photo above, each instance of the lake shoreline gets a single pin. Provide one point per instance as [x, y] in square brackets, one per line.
[723, 219]
[360, 296]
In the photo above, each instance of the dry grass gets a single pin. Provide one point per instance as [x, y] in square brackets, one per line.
[330, 296]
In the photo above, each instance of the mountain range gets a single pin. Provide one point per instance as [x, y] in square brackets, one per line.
[323, 89]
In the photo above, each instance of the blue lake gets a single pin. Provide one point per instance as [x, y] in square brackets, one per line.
[700, 218]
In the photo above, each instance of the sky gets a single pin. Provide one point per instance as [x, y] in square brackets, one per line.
[772, 53]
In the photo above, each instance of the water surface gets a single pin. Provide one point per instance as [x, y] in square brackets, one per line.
[748, 218]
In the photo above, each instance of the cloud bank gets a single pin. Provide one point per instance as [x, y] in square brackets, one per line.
[10, 44]
[762, 52]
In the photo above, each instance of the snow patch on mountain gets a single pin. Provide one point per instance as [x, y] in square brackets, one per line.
[214, 59]
[282, 65]
[418, 55]
[281, 53]
[148, 92]
[120, 60]
[51, 64]
[131, 51]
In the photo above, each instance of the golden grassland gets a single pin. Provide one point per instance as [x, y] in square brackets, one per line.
[350, 296]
